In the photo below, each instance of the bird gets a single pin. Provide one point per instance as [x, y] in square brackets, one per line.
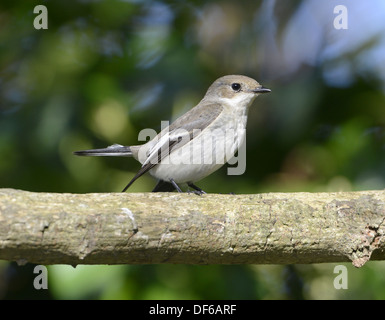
[197, 143]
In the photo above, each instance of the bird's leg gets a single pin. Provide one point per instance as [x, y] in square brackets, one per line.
[175, 185]
[164, 186]
[198, 190]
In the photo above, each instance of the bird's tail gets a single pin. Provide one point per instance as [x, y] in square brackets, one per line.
[116, 150]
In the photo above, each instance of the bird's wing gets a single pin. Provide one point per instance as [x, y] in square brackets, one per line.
[179, 133]
[198, 118]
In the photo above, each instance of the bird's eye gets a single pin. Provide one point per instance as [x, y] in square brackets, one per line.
[236, 86]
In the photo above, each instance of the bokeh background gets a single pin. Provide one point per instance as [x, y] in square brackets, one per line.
[105, 69]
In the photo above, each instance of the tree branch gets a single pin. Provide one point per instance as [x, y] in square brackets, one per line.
[148, 228]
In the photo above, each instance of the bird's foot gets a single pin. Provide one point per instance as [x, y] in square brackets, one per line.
[199, 193]
[197, 190]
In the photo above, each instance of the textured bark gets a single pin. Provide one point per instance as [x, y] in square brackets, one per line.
[148, 228]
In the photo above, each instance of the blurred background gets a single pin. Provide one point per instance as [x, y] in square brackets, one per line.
[106, 69]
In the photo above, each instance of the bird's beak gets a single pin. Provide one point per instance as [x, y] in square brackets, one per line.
[261, 90]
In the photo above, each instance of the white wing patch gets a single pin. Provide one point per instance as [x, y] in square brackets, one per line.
[168, 142]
